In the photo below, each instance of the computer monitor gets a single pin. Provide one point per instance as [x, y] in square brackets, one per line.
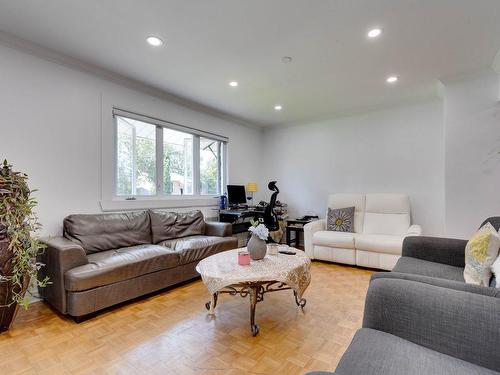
[236, 195]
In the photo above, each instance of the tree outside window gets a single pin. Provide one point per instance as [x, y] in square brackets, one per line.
[136, 158]
[210, 166]
[177, 162]
[140, 156]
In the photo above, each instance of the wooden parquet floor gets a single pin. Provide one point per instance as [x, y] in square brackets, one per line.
[171, 333]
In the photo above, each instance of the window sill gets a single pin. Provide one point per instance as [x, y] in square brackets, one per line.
[170, 202]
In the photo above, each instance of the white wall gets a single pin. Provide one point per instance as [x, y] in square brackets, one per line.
[472, 123]
[50, 128]
[393, 150]
[445, 154]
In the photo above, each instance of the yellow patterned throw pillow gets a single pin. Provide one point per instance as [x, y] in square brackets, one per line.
[480, 253]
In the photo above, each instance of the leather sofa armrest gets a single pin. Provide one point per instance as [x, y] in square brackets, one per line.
[59, 256]
[309, 230]
[435, 249]
[414, 230]
[215, 228]
[457, 323]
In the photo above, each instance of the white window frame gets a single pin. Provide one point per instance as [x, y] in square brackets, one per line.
[221, 168]
[130, 201]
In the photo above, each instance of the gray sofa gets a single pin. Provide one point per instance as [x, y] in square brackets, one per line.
[106, 259]
[423, 318]
[438, 261]
[414, 328]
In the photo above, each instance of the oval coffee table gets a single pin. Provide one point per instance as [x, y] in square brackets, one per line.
[221, 273]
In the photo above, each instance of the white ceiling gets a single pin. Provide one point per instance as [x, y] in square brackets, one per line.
[336, 69]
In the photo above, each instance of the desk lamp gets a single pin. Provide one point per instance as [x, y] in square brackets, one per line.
[251, 188]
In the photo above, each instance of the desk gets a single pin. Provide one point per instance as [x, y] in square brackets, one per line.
[239, 218]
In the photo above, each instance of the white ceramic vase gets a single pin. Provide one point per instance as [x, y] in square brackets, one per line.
[256, 248]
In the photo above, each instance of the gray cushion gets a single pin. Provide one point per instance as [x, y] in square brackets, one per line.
[431, 269]
[340, 219]
[168, 225]
[376, 352]
[112, 266]
[101, 232]
[456, 323]
[449, 251]
[450, 284]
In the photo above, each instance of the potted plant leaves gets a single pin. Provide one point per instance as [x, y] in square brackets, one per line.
[18, 245]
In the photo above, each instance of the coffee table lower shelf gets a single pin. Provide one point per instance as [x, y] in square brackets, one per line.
[254, 290]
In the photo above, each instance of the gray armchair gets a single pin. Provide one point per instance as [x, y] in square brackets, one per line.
[423, 318]
[437, 261]
[447, 251]
[413, 328]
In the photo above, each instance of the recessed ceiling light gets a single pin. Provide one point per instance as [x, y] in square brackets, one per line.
[233, 83]
[392, 79]
[278, 107]
[154, 41]
[373, 33]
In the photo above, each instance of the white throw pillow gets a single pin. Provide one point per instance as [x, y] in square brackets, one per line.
[480, 253]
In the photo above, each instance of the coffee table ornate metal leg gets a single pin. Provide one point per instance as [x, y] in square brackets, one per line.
[210, 305]
[254, 291]
[301, 302]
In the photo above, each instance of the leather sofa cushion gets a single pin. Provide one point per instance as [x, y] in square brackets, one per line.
[109, 267]
[348, 200]
[387, 214]
[389, 224]
[379, 243]
[103, 232]
[193, 248]
[169, 225]
[387, 203]
[330, 238]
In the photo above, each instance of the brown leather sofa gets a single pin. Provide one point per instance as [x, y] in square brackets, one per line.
[105, 259]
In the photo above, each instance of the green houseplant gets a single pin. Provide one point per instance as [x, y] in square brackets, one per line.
[18, 245]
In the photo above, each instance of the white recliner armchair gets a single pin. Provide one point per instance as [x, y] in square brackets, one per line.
[381, 222]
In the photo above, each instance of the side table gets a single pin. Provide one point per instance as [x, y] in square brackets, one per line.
[296, 226]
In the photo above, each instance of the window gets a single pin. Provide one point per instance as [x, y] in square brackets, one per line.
[136, 157]
[177, 162]
[210, 166]
[157, 158]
